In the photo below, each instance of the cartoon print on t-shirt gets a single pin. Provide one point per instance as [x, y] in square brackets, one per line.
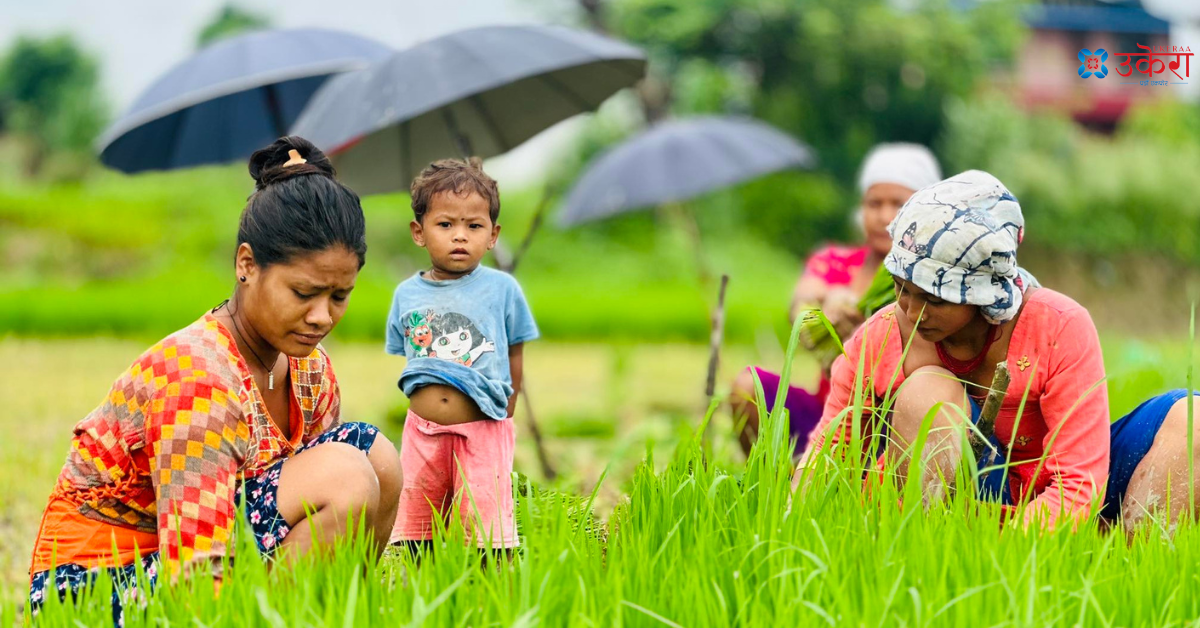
[418, 333]
[450, 336]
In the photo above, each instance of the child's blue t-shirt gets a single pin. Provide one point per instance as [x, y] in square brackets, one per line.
[457, 333]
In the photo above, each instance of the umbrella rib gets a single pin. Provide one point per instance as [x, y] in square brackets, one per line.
[636, 75]
[275, 111]
[171, 154]
[406, 151]
[461, 142]
[566, 92]
[489, 122]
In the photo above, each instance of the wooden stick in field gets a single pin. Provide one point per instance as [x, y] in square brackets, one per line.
[714, 356]
[991, 408]
[538, 215]
[508, 263]
[548, 470]
[714, 343]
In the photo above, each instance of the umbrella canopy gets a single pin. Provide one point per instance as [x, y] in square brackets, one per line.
[677, 160]
[230, 98]
[480, 91]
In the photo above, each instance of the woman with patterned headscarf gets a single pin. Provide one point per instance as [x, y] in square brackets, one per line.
[964, 305]
[835, 278]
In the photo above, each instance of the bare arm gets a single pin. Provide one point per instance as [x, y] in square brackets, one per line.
[810, 292]
[839, 304]
[516, 368]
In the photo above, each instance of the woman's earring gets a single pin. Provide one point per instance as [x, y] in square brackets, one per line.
[242, 278]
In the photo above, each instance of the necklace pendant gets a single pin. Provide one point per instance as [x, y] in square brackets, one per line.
[271, 381]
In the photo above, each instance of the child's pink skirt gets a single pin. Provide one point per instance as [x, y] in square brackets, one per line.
[471, 464]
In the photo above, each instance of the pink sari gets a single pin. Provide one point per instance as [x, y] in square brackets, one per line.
[836, 265]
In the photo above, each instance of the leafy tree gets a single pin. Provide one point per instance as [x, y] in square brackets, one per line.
[228, 22]
[841, 74]
[50, 96]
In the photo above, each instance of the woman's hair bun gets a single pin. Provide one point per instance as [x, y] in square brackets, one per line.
[291, 213]
[267, 165]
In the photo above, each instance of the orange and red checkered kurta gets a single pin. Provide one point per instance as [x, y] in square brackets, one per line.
[179, 431]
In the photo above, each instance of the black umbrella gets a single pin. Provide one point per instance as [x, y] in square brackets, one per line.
[230, 98]
[481, 91]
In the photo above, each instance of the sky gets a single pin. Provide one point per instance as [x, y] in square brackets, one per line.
[136, 40]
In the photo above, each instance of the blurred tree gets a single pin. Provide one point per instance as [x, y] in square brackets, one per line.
[840, 74]
[1165, 120]
[50, 96]
[228, 22]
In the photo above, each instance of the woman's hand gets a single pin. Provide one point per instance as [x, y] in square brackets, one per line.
[841, 308]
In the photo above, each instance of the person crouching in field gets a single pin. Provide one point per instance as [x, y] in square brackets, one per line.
[964, 305]
[834, 279]
[461, 327]
[241, 405]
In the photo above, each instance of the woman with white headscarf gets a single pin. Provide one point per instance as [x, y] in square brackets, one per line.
[834, 280]
[964, 305]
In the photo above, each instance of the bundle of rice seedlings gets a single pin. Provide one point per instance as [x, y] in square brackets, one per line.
[549, 502]
[818, 335]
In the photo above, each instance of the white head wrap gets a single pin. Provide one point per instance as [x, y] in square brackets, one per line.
[910, 165]
[957, 240]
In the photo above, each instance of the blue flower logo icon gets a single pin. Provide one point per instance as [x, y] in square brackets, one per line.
[1093, 63]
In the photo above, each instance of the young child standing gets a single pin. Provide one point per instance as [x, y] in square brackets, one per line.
[462, 328]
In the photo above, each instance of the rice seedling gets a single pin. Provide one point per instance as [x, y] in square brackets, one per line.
[819, 336]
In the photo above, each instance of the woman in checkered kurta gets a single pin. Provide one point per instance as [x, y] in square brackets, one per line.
[197, 426]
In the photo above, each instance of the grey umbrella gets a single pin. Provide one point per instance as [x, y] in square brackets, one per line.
[480, 91]
[230, 98]
[677, 160]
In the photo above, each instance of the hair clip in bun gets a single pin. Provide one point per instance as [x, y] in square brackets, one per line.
[294, 159]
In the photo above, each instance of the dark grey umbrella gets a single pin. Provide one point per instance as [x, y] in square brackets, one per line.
[480, 91]
[677, 160]
[230, 98]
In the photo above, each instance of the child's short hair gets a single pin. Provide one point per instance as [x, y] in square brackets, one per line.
[457, 176]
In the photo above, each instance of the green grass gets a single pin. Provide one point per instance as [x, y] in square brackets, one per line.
[691, 534]
[700, 545]
[690, 538]
[601, 405]
[133, 256]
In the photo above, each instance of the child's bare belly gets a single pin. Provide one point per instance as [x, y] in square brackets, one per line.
[445, 405]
